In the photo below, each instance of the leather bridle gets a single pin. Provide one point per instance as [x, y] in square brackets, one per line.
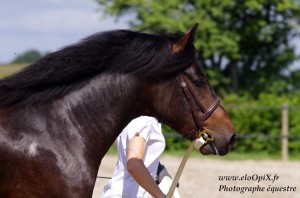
[204, 135]
[199, 119]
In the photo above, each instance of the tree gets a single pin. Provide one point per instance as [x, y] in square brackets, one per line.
[244, 44]
[27, 57]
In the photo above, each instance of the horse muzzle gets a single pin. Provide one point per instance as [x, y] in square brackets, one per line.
[213, 144]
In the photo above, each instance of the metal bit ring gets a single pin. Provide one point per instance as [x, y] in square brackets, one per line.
[207, 135]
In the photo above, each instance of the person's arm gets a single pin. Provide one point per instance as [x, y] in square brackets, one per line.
[137, 169]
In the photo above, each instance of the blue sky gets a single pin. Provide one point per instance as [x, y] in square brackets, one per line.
[47, 25]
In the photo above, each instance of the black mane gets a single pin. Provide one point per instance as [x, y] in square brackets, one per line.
[123, 51]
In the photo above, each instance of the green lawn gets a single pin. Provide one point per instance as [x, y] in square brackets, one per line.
[6, 70]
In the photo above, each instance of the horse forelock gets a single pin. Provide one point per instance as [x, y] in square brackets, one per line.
[70, 68]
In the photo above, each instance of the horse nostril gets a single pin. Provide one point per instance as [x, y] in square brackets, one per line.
[232, 139]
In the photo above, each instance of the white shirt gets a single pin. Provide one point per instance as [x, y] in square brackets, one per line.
[122, 183]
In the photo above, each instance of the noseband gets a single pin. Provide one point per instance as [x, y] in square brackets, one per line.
[191, 96]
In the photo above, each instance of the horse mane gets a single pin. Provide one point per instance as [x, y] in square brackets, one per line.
[70, 68]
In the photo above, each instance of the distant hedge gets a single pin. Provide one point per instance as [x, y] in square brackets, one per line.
[257, 123]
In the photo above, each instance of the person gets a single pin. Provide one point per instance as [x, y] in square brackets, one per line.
[139, 145]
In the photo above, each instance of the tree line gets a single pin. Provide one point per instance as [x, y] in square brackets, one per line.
[27, 57]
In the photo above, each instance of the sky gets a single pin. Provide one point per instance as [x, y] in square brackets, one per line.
[48, 25]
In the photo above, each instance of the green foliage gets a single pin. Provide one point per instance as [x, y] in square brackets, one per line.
[258, 123]
[243, 42]
[27, 57]
[174, 142]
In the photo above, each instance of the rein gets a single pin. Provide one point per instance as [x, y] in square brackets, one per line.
[204, 135]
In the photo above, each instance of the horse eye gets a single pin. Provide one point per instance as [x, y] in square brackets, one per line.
[199, 83]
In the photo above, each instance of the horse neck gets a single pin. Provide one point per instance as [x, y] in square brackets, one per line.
[100, 110]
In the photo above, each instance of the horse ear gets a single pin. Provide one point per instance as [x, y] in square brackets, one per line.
[188, 36]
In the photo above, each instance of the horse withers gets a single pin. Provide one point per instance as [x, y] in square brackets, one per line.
[60, 115]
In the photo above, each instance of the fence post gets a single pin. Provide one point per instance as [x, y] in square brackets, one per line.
[284, 131]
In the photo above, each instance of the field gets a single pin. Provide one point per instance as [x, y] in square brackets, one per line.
[202, 177]
[6, 70]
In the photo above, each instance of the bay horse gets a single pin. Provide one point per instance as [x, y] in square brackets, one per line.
[60, 115]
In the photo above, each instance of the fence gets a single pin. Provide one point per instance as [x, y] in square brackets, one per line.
[284, 136]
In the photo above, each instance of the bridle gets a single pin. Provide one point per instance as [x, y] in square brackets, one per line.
[201, 131]
[191, 96]
[204, 135]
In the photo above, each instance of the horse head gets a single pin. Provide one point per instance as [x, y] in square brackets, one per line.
[191, 107]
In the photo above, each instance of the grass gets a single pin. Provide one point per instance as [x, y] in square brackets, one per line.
[6, 70]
